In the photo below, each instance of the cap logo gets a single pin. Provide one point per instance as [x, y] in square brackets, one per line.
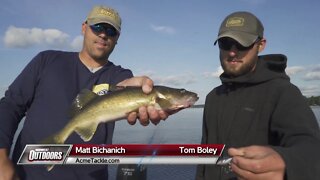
[107, 12]
[235, 21]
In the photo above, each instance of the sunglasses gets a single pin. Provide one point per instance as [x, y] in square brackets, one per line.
[227, 43]
[103, 28]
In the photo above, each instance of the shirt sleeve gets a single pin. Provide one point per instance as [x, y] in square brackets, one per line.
[17, 100]
[295, 124]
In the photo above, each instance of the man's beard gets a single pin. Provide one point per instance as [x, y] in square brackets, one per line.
[235, 71]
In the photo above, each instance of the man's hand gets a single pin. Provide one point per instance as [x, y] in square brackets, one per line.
[257, 162]
[144, 113]
[7, 171]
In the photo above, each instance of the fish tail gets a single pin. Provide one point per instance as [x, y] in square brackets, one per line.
[50, 167]
[51, 140]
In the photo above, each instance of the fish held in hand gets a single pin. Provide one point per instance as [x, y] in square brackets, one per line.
[89, 109]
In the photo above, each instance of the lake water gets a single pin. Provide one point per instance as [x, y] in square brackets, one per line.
[181, 128]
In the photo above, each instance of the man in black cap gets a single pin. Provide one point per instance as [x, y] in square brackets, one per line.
[269, 130]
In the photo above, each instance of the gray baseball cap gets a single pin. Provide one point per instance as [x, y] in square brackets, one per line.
[241, 26]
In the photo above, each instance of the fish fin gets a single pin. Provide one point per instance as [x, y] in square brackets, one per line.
[49, 167]
[86, 131]
[52, 140]
[162, 102]
[83, 98]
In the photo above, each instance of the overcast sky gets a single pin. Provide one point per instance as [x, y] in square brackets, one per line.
[169, 40]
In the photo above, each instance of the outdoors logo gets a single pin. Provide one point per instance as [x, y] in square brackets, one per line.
[44, 154]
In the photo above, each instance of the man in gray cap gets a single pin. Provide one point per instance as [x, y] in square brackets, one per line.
[45, 89]
[269, 130]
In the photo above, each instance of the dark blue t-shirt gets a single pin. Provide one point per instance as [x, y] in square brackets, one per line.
[43, 93]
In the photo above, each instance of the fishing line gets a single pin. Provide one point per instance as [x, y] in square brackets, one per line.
[149, 143]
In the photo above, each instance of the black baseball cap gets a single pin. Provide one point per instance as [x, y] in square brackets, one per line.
[244, 27]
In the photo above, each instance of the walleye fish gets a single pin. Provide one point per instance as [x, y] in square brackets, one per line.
[89, 109]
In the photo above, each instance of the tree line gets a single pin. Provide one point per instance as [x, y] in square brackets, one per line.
[313, 100]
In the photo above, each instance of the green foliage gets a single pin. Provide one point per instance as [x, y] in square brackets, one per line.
[313, 100]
